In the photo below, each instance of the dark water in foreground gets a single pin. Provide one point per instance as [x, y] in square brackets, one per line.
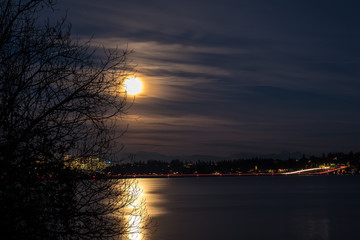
[281, 208]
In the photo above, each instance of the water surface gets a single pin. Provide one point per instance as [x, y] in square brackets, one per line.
[257, 207]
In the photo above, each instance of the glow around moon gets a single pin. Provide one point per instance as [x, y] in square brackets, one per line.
[133, 86]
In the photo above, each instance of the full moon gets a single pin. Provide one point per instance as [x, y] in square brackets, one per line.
[133, 86]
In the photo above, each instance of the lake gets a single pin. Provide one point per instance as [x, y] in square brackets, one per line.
[252, 207]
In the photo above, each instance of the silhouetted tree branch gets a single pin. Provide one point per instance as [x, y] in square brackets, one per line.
[57, 99]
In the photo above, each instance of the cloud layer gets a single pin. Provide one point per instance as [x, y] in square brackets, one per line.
[223, 77]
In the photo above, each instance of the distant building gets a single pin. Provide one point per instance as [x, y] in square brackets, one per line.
[88, 164]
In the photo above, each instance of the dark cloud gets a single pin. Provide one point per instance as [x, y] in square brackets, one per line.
[223, 77]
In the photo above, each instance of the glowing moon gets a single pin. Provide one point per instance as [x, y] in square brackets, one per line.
[133, 86]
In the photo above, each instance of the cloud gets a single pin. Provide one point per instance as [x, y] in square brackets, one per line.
[235, 75]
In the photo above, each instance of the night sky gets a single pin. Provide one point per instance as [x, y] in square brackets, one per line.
[223, 77]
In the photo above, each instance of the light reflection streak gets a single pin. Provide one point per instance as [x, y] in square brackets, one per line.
[305, 170]
[137, 214]
[153, 193]
[135, 227]
[144, 202]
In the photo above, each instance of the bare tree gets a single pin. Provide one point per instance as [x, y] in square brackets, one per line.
[57, 99]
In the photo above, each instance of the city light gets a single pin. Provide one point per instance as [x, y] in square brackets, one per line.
[305, 170]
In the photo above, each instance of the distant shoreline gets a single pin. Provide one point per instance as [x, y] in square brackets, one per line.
[326, 173]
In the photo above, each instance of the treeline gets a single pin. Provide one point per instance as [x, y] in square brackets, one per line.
[237, 166]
